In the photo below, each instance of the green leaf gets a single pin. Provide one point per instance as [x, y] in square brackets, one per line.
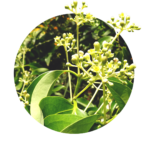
[107, 32]
[39, 71]
[58, 88]
[42, 89]
[48, 59]
[61, 121]
[19, 86]
[31, 88]
[58, 105]
[81, 126]
[120, 92]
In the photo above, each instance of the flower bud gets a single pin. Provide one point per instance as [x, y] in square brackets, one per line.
[66, 6]
[128, 18]
[105, 81]
[26, 83]
[72, 5]
[64, 35]
[86, 57]
[96, 46]
[81, 59]
[83, 2]
[75, 59]
[114, 24]
[115, 60]
[104, 50]
[112, 17]
[117, 20]
[20, 98]
[131, 67]
[24, 92]
[74, 41]
[119, 63]
[105, 44]
[75, 3]
[81, 53]
[125, 61]
[122, 23]
[104, 60]
[127, 21]
[122, 71]
[110, 83]
[27, 96]
[68, 64]
[109, 71]
[85, 5]
[129, 74]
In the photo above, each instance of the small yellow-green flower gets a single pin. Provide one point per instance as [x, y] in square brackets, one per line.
[96, 68]
[122, 14]
[89, 16]
[110, 65]
[57, 38]
[91, 51]
[109, 100]
[70, 35]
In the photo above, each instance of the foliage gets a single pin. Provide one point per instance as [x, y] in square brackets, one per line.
[85, 93]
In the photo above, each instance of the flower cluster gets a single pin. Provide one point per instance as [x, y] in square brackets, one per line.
[26, 79]
[67, 40]
[123, 23]
[96, 61]
[80, 18]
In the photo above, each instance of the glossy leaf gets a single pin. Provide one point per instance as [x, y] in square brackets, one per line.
[61, 121]
[81, 126]
[119, 91]
[58, 105]
[31, 88]
[42, 89]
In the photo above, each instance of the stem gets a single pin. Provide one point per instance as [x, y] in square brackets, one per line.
[79, 80]
[82, 91]
[99, 108]
[92, 97]
[23, 58]
[103, 74]
[117, 35]
[104, 103]
[69, 74]
[78, 43]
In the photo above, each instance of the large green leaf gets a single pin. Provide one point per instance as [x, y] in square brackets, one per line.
[58, 105]
[42, 89]
[31, 88]
[61, 121]
[81, 126]
[120, 92]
